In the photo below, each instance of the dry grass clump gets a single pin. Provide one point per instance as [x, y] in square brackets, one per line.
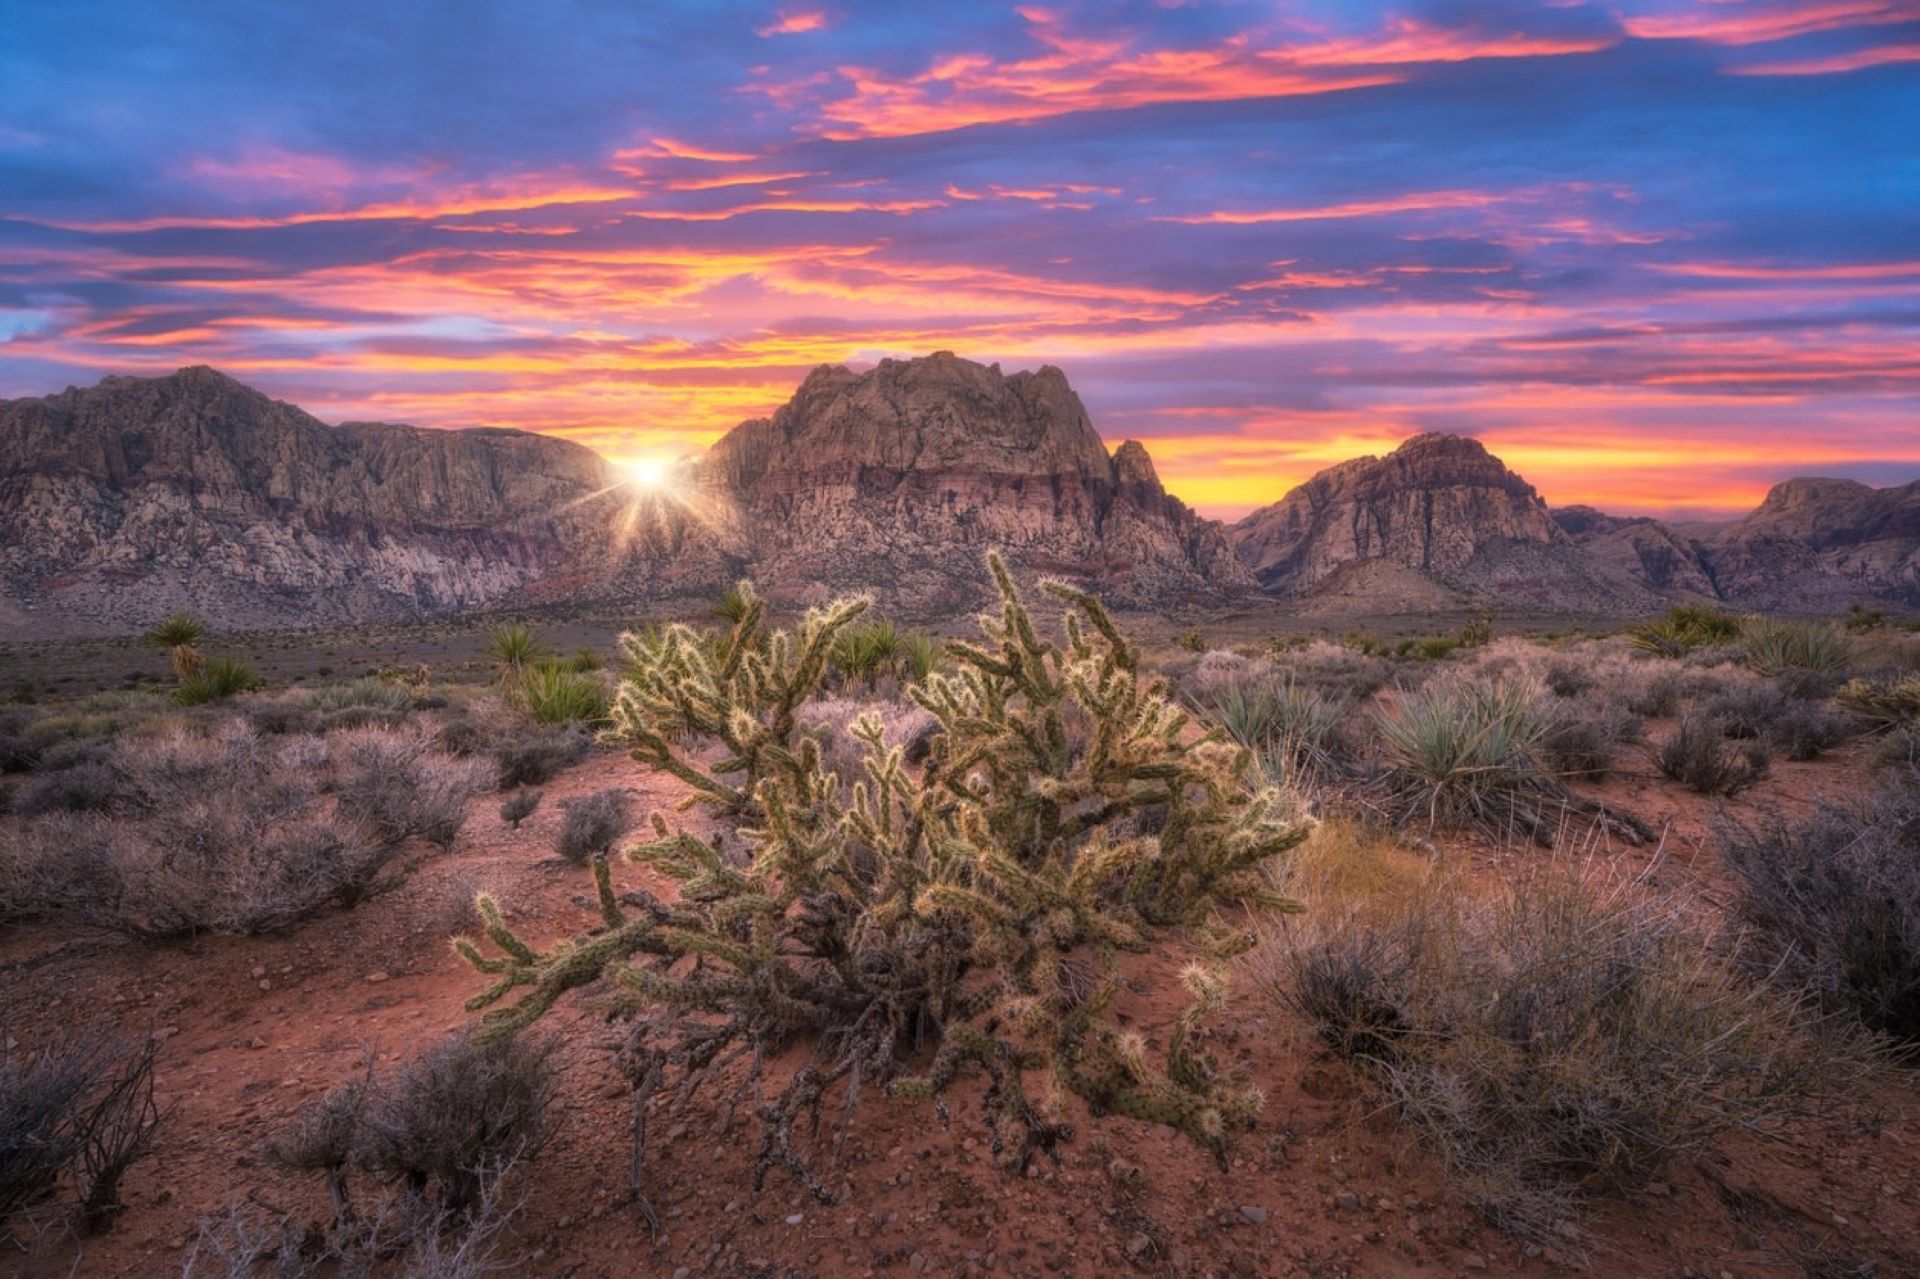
[1470, 752]
[81, 1112]
[1699, 757]
[440, 1140]
[1833, 902]
[1286, 723]
[397, 785]
[594, 824]
[1888, 701]
[210, 828]
[1552, 1037]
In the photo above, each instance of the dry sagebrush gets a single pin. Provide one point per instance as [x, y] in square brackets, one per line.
[974, 904]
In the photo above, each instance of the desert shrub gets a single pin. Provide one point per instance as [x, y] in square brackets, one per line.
[593, 824]
[82, 1111]
[584, 660]
[1568, 679]
[1685, 628]
[1336, 672]
[443, 1130]
[1279, 718]
[218, 678]
[366, 693]
[1463, 752]
[1191, 640]
[1806, 730]
[1772, 646]
[397, 785]
[555, 695]
[1478, 631]
[866, 650]
[1550, 1037]
[536, 758]
[976, 902]
[19, 749]
[1699, 757]
[519, 806]
[1582, 741]
[514, 649]
[1746, 711]
[1656, 694]
[1832, 902]
[92, 786]
[1885, 701]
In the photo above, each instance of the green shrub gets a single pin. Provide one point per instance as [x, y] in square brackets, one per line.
[366, 693]
[514, 649]
[1773, 647]
[553, 695]
[219, 678]
[1469, 752]
[1279, 719]
[977, 902]
[864, 651]
[1685, 628]
[1192, 641]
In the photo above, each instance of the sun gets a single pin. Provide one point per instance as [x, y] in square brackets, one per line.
[648, 474]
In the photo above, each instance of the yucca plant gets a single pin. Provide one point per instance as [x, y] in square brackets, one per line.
[1280, 720]
[514, 649]
[919, 656]
[217, 679]
[1887, 701]
[556, 694]
[1469, 752]
[180, 635]
[1774, 646]
[864, 651]
[1685, 628]
[974, 903]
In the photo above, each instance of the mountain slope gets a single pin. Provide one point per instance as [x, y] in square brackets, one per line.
[901, 477]
[137, 496]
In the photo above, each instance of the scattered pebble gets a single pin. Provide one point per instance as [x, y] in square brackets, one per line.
[1254, 1214]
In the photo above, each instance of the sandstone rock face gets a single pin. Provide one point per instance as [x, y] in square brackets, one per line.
[1440, 504]
[1644, 550]
[139, 496]
[902, 477]
[1818, 545]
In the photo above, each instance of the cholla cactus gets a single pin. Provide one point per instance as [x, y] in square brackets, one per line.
[1065, 812]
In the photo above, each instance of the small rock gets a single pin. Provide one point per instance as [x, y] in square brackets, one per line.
[265, 984]
[1474, 1261]
[1346, 1199]
[1253, 1214]
[796, 1218]
[257, 1043]
[1139, 1246]
[683, 1272]
[376, 978]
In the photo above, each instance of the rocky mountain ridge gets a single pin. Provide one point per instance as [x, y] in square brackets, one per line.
[140, 496]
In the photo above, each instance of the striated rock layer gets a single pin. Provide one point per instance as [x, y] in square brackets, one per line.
[138, 496]
[902, 477]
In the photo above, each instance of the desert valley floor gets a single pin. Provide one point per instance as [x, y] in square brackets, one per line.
[251, 1029]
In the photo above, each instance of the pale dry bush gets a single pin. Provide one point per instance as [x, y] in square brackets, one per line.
[1554, 1036]
[214, 829]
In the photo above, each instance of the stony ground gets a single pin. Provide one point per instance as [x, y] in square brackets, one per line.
[255, 1027]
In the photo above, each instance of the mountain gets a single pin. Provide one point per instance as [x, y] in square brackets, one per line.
[1441, 522]
[1819, 545]
[136, 497]
[900, 477]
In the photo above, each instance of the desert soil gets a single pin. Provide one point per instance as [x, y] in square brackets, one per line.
[253, 1028]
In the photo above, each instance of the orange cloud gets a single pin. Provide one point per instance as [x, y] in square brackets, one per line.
[791, 22]
[1749, 24]
[455, 204]
[1839, 64]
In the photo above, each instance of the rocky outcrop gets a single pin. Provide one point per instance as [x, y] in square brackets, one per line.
[1647, 551]
[138, 496]
[900, 478]
[1818, 545]
[1452, 513]
[1440, 505]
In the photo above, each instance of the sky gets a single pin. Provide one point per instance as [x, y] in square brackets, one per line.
[1657, 254]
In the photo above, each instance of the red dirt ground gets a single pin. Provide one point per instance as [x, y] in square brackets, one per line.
[255, 1027]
